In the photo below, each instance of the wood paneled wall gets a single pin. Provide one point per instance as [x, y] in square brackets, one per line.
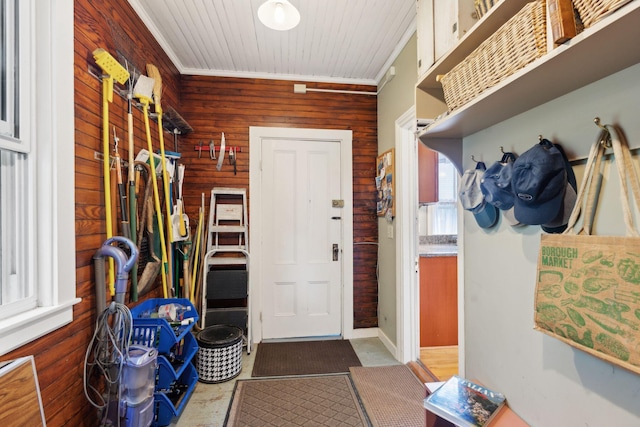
[213, 105]
[59, 356]
[210, 105]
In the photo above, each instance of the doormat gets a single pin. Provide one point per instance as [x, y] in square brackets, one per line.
[329, 400]
[304, 358]
[391, 395]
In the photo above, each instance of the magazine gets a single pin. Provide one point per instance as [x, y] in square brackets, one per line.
[464, 403]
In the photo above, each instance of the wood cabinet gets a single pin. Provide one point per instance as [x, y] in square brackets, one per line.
[438, 301]
[427, 174]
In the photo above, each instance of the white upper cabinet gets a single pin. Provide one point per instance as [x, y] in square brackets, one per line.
[426, 54]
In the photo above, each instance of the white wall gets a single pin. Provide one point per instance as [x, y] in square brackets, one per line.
[546, 382]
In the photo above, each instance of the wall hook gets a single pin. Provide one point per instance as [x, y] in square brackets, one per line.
[474, 159]
[502, 150]
[606, 140]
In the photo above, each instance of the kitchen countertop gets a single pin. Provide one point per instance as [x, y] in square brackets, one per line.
[437, 246]
[437, 249]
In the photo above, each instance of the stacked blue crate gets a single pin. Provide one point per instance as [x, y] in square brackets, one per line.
[176, 376]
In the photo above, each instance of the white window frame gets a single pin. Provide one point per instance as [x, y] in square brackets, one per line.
[50, 108]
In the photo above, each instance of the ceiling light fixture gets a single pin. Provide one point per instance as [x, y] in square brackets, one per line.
[279, 15]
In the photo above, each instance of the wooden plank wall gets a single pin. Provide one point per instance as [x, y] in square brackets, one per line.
[59, 356]
[213, 105]
[210, 105]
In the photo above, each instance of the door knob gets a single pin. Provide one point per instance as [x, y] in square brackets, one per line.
[335, 251]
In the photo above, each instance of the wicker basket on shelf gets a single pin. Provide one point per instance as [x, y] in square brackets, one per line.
[520, 41]
[591, 11]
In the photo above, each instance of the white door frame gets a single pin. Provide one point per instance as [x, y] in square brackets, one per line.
[344, 137]
[407, 289]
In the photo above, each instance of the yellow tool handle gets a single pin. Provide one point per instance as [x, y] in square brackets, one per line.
[156, 197]
[107, 87]
[196, 258]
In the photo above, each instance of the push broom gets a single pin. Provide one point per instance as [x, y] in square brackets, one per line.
[112, 71]
[143, 92]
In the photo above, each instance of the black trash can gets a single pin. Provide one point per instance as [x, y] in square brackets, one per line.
[219, 356]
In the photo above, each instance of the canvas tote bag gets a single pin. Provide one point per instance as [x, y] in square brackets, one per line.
[588, 286]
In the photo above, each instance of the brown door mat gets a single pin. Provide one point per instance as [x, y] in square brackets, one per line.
[391, 395]
[304, 358]
[328, 400]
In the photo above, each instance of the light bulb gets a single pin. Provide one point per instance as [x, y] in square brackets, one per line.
[278, 13]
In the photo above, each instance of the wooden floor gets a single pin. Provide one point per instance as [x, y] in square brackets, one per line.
[441, 361]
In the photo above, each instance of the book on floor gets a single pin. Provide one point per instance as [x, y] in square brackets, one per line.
[464, 403]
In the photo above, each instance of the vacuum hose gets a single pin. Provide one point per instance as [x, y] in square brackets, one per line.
[123, 266]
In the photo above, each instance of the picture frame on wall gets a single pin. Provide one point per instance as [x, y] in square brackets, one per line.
[385, 184]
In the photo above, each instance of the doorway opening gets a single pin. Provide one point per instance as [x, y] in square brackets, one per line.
[411, 260]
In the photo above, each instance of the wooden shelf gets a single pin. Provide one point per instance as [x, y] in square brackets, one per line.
[599, 51]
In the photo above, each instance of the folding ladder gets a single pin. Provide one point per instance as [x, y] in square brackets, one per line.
[225, 298]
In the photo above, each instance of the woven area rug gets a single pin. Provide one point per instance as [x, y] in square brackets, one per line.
[329, 400]
[392, 395]
[304, 358]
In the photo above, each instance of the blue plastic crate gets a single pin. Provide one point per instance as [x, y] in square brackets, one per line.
[167, 373]
[166, 410]
[158, 333]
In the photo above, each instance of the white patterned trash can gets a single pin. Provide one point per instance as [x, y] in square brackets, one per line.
[219, 356]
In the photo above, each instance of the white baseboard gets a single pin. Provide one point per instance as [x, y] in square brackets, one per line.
[361, 333]
[388, 344]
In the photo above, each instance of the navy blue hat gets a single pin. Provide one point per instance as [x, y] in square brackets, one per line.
[559, 223]
[539, 181]
[496, 183]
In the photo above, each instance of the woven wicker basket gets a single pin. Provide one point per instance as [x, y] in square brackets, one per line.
[521, 40]
[592, 10]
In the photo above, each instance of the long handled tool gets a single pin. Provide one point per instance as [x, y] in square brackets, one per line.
[122, 192]
[196, 254]
[143, 89]
[153, 72]
[113, 71]
[150, 263]
[133, 208]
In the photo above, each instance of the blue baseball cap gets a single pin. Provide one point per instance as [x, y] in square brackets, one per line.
[559, 223]
[539, 183]
[486, 217]
[496, 183]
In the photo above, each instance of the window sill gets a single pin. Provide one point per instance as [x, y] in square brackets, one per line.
[19, 330]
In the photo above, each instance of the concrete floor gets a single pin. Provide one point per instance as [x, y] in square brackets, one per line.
[209, 402]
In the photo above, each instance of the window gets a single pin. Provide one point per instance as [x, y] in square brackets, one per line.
[37, 239]
[442, 217]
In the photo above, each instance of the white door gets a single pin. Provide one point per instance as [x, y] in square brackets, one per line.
[301, 238]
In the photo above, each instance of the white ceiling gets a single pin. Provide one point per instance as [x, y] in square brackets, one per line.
[341, 41]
